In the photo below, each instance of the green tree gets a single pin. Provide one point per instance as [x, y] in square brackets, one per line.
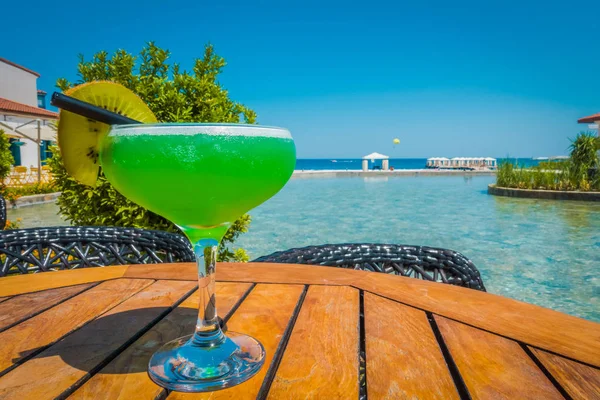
[6, 157]
[584, 150]
[584, 157]
[174, 95]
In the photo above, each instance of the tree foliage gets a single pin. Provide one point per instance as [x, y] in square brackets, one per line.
[6, 157]
[584, 156]
[173, 95]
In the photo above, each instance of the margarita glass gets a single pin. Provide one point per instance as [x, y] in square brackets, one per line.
[202, 177]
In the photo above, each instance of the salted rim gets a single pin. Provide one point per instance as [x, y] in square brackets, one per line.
[200, 129]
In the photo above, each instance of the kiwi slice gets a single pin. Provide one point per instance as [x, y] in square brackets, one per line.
[79, 137]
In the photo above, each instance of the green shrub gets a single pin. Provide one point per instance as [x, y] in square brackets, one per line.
[504, 174]
[571, 174]
[16, 224]
[6, 157]
[584, 156]
[174, 96]
[584, 150]
[553, 164]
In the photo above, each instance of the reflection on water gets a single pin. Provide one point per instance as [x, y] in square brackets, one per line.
[37, 216]
[371, 179]
[578, 217]
[539, 251]
[574, 213]
[559, 243]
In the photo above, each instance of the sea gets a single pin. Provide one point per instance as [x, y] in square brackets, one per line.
[307, 164]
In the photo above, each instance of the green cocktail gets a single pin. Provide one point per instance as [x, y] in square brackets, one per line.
[202, 177]
[198, 176]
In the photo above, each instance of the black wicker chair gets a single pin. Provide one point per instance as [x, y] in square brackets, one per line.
[2, 213]
[428, 263]
[24, 251]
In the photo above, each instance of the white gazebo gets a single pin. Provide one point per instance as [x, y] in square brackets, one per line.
[456, 161]
[473, 162]
[373, 157]
[490, 162]
[437, 162]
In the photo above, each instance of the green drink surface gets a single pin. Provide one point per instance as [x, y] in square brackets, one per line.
[197, 180]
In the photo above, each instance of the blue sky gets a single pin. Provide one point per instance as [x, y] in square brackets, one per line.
[449, 78]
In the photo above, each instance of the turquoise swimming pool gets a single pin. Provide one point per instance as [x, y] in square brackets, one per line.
[539, 251]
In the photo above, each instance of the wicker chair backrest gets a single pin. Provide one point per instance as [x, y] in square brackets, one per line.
[428, 263]
[2, 213]
[24, 251]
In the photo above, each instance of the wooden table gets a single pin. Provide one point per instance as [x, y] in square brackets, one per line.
[89, 334]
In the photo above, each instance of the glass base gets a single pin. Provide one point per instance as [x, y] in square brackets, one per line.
[190, 365]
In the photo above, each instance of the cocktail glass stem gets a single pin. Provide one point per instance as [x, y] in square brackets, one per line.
[207, 328]
[208, 359]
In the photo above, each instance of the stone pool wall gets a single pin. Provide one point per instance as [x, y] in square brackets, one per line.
[25, 201]
[543, 194]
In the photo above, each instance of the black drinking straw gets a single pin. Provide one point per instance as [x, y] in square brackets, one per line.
[89, 110]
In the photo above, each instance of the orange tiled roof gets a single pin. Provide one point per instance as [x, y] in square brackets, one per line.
[590, 119]
[4, 60]
[14, 108]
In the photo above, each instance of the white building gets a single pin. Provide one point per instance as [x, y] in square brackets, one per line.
[23, 116]
[462, 162]
[594, 121]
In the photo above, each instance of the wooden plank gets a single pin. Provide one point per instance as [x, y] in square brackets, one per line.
[579, 381]
[544, 328]
[321, 358]
[60, 367]
[45, 328]
[494, 367]
[12, 285]
[404, 360]
[125, 377]
[264, 315]
[251, 273]
[24, 306]
[179, 271]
